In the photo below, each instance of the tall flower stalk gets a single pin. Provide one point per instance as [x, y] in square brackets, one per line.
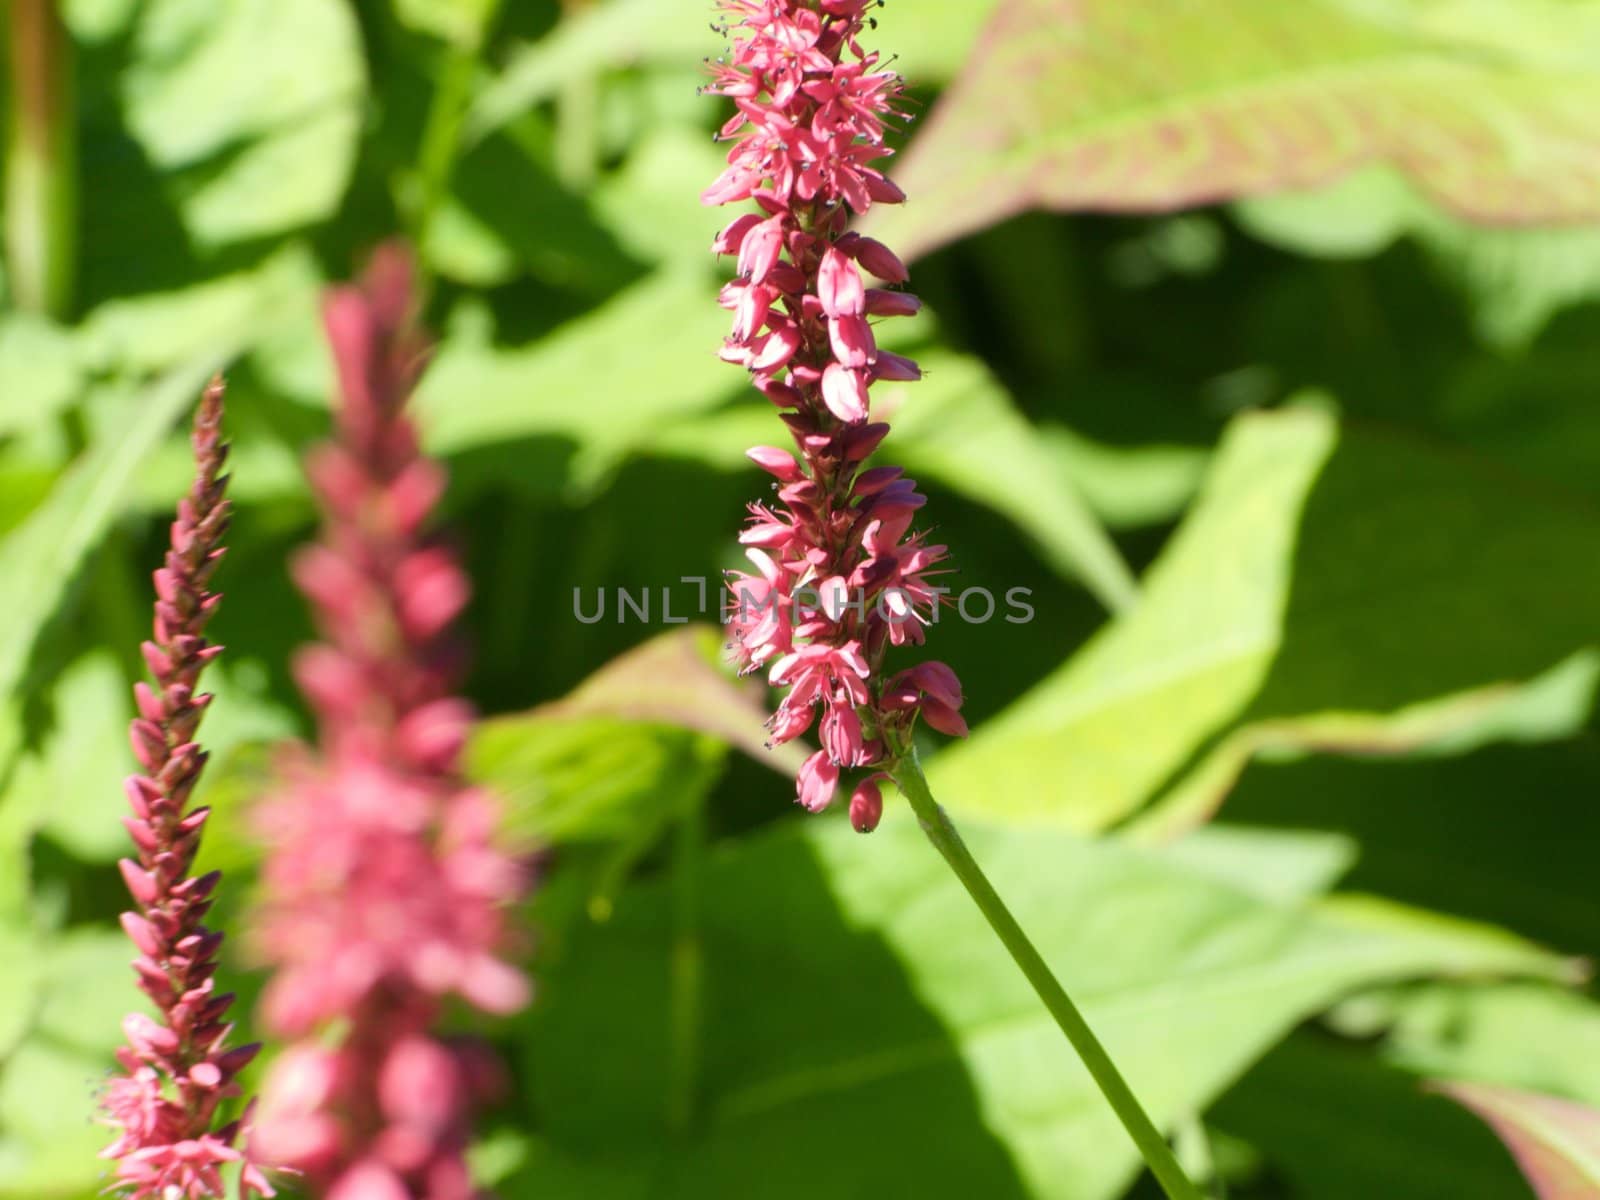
[385, 891]
[177, 1068]
[840, 579]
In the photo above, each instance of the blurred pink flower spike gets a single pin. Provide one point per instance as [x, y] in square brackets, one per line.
[176, 1067]
[385, 892]
[840, 577]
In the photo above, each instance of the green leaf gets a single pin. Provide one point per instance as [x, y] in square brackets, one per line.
[459, 21]
[40, 557]
[40, 375]
[1553, 705]
[960, 428]
[1128, 486]
[254, 106]
[673, 679]
[614, 759]
[930, 42]
[1248, 97]
[49, 1140]
[1521, 1035]
[1332, 1122]
[603, 382]
[141, 334]
[1517, 279]
[908, 1044]
[74, 782]
[592, 779]
[88, 988]
[1326, 578]
[1556, 1142]
[20, 962]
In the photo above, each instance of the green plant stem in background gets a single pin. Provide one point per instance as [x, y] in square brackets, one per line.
[40, 167]
[942, 833]
[687, 967]
[442, 135]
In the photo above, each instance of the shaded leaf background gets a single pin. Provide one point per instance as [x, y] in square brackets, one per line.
[1261, 354]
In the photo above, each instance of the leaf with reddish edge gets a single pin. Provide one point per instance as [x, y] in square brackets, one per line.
[1555, 1142]
[1162, 105]
[673, 680]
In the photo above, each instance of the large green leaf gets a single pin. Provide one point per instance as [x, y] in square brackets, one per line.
[622, 754]
[1333, 1122]
[598, 386]
[1520, 1035]
[254, 105]
[19, 958]
[931, 40]
[1102, 104]
[1556, 1142]
[40, 374]
[155, 331]
[853, 991]
[1534, 874]
[1324, 577]
[1517, 278]
[49, 1139]
[74, 782]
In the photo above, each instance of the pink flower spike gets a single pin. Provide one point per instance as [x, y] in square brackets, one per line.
[171, 1137]
[385, 892]
[843, 579]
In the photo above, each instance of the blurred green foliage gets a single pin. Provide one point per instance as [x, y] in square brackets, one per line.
[1305, 490]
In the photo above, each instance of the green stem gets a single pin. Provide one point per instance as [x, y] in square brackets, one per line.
[687, 967]
[41, 170]
[447, 115]
[942, 833]
[441, 136]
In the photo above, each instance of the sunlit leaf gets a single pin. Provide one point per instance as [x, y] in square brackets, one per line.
[1517, 279]
[1521, 1035]
[40, 557]
[254, 104]
[19, 959]
[1322, 574]
[931, 38]
[74, 783]
[458, 21]
[901, 1016]
[49, 1140]
[1101, 104]
[673, 680]
[604, 381]
[40, 372]
[613, 759]
[145, 333]
[1333, 1121]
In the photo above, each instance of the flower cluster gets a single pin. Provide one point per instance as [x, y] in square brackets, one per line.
[177, 1069]
[839, 576]
[385, 890]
